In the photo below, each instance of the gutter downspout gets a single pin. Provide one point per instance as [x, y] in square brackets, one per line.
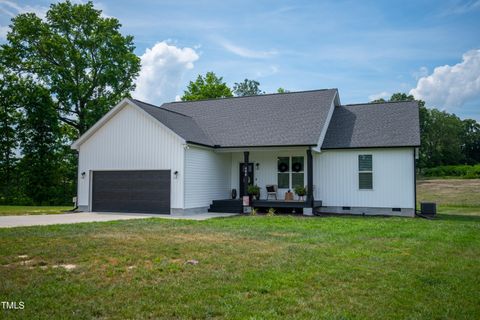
[414, 181]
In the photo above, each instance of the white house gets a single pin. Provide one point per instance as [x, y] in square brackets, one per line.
[187, 157]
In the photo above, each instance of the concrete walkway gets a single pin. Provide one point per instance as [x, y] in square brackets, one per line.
[80, 217]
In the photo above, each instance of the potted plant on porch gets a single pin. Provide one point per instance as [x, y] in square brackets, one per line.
[301, 191]
[254, 190]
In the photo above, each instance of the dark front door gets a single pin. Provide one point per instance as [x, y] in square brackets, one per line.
[242, 175]
[131, 191]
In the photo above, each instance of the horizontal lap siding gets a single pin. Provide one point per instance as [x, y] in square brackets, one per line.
[131, 140]
[336, 178]
[207, 176]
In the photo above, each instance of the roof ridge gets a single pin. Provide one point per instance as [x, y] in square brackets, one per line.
[378, 102]
[259, 95]
[160, 107]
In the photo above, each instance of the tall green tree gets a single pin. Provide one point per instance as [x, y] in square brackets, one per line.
[445, 139]
[9, 115]
[282, 90]
[39, 133]
[207, 87]
[80, 56]
[247, 88]
[471, 141]
[441, 139]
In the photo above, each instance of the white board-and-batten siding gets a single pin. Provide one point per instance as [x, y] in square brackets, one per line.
[132, 140]
[267, 170]
[336, 178]
[207, 176]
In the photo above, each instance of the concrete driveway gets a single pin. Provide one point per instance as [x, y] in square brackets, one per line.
[80, 217]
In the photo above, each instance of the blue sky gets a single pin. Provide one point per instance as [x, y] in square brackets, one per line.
[366, 49]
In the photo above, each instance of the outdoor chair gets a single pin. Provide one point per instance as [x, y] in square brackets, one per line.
[271, 190]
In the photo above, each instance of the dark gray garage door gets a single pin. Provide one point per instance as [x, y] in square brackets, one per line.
[131, 191]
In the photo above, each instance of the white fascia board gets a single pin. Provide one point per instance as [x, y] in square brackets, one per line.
[335, 102]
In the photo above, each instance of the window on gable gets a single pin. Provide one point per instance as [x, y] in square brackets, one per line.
[365, 172]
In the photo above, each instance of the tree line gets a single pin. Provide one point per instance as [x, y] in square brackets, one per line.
[445, 138]
[60, 75]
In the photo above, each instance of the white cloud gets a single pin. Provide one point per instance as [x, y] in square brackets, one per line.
[461, 7]
[12, 8]
[163, 67]
[422, 72]
[451, 86]
[3, 32]
[382, 95]
[245, 52]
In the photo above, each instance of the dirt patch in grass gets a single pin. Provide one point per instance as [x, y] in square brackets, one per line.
[68, 267]
[36, 262]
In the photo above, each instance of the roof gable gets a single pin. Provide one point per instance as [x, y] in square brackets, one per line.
[295, 118]
[112, 113]
[390, 124]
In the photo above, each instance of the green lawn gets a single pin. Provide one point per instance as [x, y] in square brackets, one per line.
[249, 267]
[252, 267]
[27, 210]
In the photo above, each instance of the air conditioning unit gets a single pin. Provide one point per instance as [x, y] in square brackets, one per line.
[428, 208]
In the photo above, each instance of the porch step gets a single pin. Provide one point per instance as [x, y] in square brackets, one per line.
[227, 206]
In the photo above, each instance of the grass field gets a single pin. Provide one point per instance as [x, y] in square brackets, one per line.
[27, 210]
[453, 196]
[248, 268]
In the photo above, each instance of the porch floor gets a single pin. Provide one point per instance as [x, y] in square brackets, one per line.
[278, 204]
[235, 205]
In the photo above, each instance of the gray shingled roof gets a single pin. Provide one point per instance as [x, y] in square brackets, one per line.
[391, 124]
[181, 124]
[295, 118]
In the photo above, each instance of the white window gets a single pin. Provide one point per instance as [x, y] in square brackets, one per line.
[291, 172]
[365, 172]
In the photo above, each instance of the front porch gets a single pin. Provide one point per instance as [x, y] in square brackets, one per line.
[283, 168]
[236, 205]
[277, 173]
